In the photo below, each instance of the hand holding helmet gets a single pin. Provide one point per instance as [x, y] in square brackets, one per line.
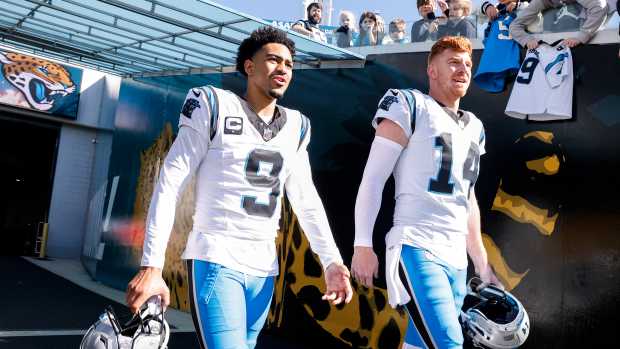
[146, 330]
[493, 318]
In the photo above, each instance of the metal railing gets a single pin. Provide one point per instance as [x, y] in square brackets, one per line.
[40, 243]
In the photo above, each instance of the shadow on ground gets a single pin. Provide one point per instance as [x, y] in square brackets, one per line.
[34, 299]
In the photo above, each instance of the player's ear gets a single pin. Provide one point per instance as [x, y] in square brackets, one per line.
[249, 67]
[431, 71]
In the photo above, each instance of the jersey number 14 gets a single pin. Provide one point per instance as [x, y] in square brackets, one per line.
[443, 182]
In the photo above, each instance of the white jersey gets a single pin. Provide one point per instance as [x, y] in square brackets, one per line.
[543, 89]
[242, 165]
[435, 173]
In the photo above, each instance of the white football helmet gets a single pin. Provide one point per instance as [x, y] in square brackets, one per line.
[493, 318]
[148, 330]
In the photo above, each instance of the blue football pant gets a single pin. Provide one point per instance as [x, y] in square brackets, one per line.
[228, 307]
[437, 292]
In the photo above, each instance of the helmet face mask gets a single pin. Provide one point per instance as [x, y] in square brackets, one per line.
[494, 318]
[147, 330]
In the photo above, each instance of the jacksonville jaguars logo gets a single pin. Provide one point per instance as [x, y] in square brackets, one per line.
[388, 100]
[189, 106]
[42, 83]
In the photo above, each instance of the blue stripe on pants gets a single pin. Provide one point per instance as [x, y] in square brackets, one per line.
[229, 308]
[437, 292]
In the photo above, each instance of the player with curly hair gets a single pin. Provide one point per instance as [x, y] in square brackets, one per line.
[244, 151]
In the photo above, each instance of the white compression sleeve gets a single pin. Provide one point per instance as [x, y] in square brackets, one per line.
[308, 207]
[382, 159]
[181, 162]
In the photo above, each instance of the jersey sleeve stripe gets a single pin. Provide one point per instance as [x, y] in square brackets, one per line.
[412, 106]
[305, 126]
[213, 103]
[561, 57]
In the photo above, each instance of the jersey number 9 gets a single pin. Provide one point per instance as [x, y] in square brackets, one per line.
[263, 180]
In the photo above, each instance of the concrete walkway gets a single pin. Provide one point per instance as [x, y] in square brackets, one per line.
[50, 304]
[72, 270]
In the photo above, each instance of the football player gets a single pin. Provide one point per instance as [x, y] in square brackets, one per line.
[433, 149]
[244, 151]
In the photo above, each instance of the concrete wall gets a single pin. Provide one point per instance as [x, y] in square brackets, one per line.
[81, 168]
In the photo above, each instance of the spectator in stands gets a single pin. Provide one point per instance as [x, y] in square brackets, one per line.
[596, 12]
[368, 30]
[492, 11]
[458, 24]
[310, 27]
[344, 34]
[426, 28]
[503, 7]
[382, 37]
[397, 32]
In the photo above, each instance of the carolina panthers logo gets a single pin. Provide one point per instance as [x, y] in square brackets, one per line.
[189, 106]
[40, 81]
[387, 101]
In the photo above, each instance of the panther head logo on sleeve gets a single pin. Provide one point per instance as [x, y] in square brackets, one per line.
[388, 100]
[189, 106]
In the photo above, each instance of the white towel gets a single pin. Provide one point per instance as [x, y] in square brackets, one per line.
[397, 293]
